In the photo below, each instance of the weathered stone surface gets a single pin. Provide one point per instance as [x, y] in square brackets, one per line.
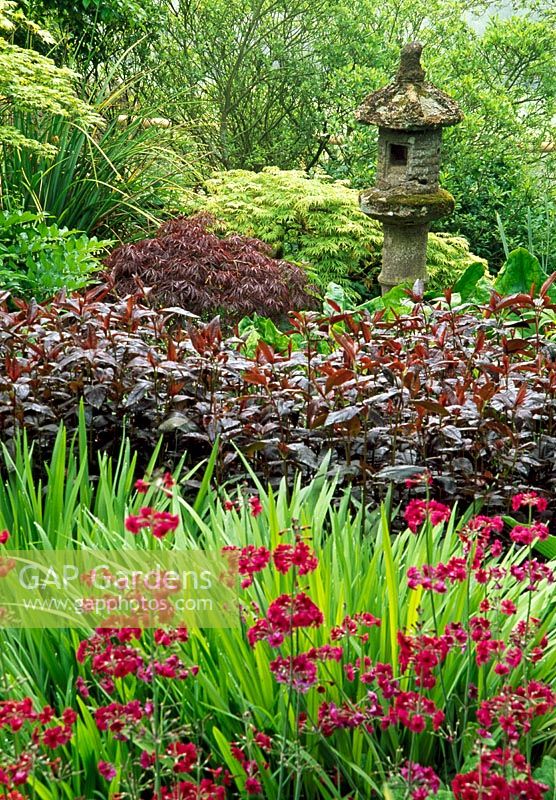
[410, 102]
[404, 255]
[420, 174]
[410, 114]
[406, 208]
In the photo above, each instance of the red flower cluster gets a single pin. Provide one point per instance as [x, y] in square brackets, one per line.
[417, 511]
[185, 755]
[530, 500]
[160, 523]
[107, 770]
[298, 556]
[526, 534]
[423, 479]
[436, 578]
[186, 790]
[15, 713]
[165, 483]
[477, 545]
[256, 506]
[38, 732]
[110, 660]
[421, 781]
[284, 615]
[412, 710]
[351, 625]
[326, 652]
[166, 638]
[524, 634]
[4, 536]
[15, 774]
[423, 653]
[332, 717]
[502, 774]
[299, 672]
[251, 767]
[121, 718]
[251, 559]
[117, 661]
[476, 537]
[533, 572]
[248, 561]
[58, 735]
[514, 709]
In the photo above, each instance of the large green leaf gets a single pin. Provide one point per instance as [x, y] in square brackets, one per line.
[521, 271]
[465, 286]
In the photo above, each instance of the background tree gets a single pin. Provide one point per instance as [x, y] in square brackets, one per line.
[246, 74]
[93, 35]
[276, 82]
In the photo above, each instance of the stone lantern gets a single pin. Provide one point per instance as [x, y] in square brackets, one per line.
[410, 114]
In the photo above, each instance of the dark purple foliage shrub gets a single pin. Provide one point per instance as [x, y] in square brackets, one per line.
[469, 395]
[188, 265]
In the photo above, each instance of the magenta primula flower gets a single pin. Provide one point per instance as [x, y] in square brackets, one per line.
[530, 500]
[107, 770]
[501, 773]
[283, 615]
[299, 672]
[159, 522]
[422, 781]
[417, 511]
[526, 534]
[298, 556]
[255, 506]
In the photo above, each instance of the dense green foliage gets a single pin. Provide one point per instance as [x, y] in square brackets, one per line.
[39, 259]
[116, 181]
[31, 83]
[85, 164]
[95, 35]
[390, 644]
[260, 83]
[316, 222]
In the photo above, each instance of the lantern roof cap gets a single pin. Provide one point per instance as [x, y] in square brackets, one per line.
[410, 102]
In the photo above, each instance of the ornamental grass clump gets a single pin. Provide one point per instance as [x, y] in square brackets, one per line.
[188, 265]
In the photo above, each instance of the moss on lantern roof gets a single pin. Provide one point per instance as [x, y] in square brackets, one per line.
[410, 102]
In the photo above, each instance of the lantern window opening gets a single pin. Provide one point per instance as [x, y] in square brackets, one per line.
[398, 154]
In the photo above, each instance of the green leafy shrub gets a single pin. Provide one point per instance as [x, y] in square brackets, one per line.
[38, 259]
[73, 153]
[316, 221]
[32, 83]
[115, 180]
[520, 273]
